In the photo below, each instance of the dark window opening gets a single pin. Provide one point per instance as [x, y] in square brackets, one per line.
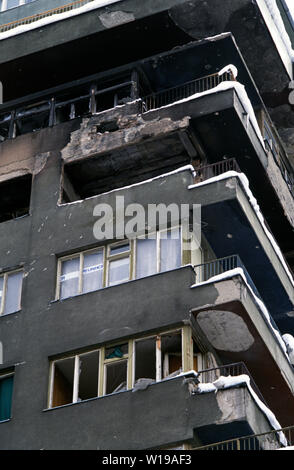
[15, 198]
[63, 382]
[145, 359]
[171, 354]
[116, 376]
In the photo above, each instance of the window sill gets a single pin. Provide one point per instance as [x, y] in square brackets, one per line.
[122, 283]
[7, 315]
[5, 421]
[190, 373]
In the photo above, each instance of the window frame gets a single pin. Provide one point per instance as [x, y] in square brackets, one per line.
[5, 375]
[5, 276]
[79, 255]
[20, 3]
[186, 352]
[131, 253]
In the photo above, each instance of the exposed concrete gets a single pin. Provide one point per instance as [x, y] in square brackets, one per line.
[225, 330]
[88, 141]
[116, 18]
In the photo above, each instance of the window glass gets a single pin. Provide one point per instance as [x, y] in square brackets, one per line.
[89, 368]
[116, 376]
[69, 279]
[146, 261]
[116, 250]
[119, 271]
[93, 271]
[63, 381]
[6, 389]
[12, 3]
[13, 292]
[170, 250]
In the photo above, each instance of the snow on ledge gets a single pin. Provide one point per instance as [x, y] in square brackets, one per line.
[245, 184]
[277, 18]
[257, 300]
[150, 180]
[56, 17]
[223, 383]
[223, 86]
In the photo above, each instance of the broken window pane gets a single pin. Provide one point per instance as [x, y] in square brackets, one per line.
[89, 368]
[146, 261]
[13, 292]
[117, 351]
[171, 353]
[145, 359]
[69, 279]
[116, 376]
[93, 271]
[119, 271]
[170, 250]
[63, 382]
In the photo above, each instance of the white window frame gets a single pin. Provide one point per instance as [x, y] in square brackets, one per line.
[125, 254]
[157, 237]
[4, 3]
[108, 258]
[5, 276]
[80, 256]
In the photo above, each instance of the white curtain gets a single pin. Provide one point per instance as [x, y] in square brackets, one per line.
[146, 258]
[93, 272]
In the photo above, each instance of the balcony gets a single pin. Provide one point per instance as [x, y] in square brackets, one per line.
[207, 376]
[255, 442]
[200, 85]
[211, 269]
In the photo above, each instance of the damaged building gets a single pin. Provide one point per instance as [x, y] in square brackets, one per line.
[146, 343]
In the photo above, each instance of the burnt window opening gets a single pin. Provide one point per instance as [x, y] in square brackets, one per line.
[15, 196]
[107, 126]
[68, 102]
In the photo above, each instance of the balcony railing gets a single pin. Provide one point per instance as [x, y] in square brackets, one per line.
[215, 169]
[163, 98]
[229, 370]
[45, 14]
[216, 267]
[263, 441]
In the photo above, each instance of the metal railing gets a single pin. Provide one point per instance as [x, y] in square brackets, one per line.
[215, 169]
[171, 95]
[232, 370]
[213, 268]
[46, 111]
[45, 14]
[263, 441]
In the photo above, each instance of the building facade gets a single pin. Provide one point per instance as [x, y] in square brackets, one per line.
[146, 221]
